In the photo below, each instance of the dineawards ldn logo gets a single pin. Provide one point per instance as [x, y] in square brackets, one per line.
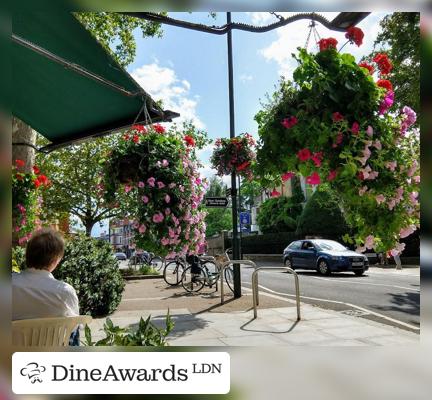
[33, 371]
[121, 372]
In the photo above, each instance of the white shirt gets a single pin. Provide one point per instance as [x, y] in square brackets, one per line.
[37, 294]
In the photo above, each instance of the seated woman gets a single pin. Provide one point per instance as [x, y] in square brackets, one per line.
[35, 291]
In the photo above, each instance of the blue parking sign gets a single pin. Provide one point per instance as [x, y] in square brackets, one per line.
[245, 218]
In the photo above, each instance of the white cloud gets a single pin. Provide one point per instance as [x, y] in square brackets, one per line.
[163, 84]
[245, 78]
[294, 35]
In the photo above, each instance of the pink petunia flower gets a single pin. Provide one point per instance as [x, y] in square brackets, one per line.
[405, 232]
[161, 185]
[151, 181]
[165, 163]
[127, 188]
[141, 184]
[145, 199]
[275, 193]
[369, 131]
[380, 198]
[416, 179]
[142, 229]
[167, 198]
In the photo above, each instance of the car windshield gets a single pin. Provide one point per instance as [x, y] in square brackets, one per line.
[330, 245]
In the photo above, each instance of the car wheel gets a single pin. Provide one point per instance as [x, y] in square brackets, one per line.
[323, 268]
[359, 273]
[288, 263]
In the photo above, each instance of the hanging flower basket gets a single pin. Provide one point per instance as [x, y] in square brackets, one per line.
[234, 155]
[332, 125]
[25, 199]
[153, 177]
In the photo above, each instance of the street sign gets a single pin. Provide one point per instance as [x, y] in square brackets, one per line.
[216, 202]
[245, 218]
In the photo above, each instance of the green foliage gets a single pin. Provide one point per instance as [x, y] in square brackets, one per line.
[216, 187]
[76, 173]
[90, 267]
[146, 269]
[400, 37]
[146, 334]
[322, 217]
[249, 190]
[18, 259]
[218, 220]
[113, 29]
[269, 243]
[278, 214]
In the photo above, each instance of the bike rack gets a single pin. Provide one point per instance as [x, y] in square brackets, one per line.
[255, 292]
[225, 265]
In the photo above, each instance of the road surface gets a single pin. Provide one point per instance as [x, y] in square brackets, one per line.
[385, 295]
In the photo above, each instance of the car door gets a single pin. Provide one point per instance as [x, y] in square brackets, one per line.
[295, 254]
[308, 255]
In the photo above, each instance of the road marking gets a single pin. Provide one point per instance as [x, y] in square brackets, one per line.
[365, 283]
[396, 321]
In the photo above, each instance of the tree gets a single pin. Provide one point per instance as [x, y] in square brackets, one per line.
[278, 214]
[322, 217]
[75, 174]
[249, 190]
[400, 38]
[115, 32]
[217, 219]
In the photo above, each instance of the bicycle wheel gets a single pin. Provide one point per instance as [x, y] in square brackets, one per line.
[229, 277]
[210, 265]
[173, 272]
[193, 282]
[157, 262]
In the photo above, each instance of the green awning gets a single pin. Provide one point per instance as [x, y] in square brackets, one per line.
[67, 87]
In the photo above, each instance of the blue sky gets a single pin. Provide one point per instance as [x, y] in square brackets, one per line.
[188, 69]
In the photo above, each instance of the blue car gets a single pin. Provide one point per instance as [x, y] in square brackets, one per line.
[325, 256]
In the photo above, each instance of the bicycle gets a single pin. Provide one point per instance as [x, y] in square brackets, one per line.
[207, 273]
[173, 271]
[140, 259]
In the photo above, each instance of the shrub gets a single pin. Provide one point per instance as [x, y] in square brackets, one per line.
[322, 217]
[146, 334]
[278, 214]
[89, 266]
[18, 259]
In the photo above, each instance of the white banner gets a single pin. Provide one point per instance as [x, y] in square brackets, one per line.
[121, 373]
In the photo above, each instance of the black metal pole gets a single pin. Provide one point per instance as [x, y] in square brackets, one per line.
[235, 242]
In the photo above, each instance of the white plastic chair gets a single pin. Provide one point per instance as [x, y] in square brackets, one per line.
[44, 332]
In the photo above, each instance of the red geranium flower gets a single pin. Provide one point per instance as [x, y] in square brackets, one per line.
[19, 163]
[384, 64]
[384, 83]
[329, 43]
[289, 122]
[36, 169]
[355, 128]
[369, 67]
[139, 128]
[159, 128]
[332, 175]
[19, 176]
[189, 140]
[37, 182]
[317, 158]
[304, 154]
[243, 166]
[337, 116]
[126, 136]
[313, 179]
[360, 175]
[135, 138]
[275, 193]
[287, 175]
[355, 35]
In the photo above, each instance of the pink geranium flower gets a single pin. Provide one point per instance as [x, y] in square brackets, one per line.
[127, 188]
[369, 131]
[145, 199]
[141, 184]
[289, 122]
[161, 185]
[337, 116]
[157, 218]
[317, 158]
[142, 229]
[165, 163]
[405, 232]
[167, 198]
[151, 181]
[391, 165]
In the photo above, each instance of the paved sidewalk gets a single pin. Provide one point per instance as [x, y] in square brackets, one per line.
[202, 321]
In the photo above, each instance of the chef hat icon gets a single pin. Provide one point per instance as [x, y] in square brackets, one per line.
[33, 371]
